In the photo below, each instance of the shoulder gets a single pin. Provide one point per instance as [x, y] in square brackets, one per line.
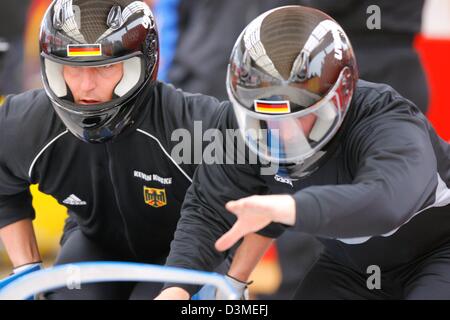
[370, 98]
[171, 109]
[26, 109]
[376, 105]
[190, 106]
[380, 116]
[27, 123]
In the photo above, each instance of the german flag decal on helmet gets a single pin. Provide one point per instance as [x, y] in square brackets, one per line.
[272, 107]
[84, 50]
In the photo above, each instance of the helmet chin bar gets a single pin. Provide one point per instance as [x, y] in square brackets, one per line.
[301, 169]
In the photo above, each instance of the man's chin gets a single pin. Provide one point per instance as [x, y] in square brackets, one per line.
[88, 103]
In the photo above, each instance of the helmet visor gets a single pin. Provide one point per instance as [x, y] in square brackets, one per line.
[102, 95]
[277, 135]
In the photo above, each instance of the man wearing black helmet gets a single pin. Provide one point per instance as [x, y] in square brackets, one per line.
[99, 140]
[360, 168]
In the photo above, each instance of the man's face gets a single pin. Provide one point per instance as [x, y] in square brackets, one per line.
[93, 85]
[288, 130]
[291, 137]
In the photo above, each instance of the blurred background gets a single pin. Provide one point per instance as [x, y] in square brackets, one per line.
[404, 43]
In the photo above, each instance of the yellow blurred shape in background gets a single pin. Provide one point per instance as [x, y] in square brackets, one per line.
[48, 225]
[49, 222]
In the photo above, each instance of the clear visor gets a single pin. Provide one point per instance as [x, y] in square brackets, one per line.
[293, 137]
[109, 83]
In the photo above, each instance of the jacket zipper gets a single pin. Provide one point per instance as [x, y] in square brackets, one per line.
[116, 198]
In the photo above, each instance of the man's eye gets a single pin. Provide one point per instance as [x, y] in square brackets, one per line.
[109, 66]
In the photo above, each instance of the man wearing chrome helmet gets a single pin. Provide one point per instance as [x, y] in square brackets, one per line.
[99, 140]
[360, 168]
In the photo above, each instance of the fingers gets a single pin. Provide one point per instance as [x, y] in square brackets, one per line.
[233, 206]
[242, 205]
[239, 230]
[250, 218]
[230, 238]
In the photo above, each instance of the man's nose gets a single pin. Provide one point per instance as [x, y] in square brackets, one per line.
[288, 130]
[88, 79]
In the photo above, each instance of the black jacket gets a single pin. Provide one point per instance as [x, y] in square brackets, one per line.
[125, 194]
[375, 201]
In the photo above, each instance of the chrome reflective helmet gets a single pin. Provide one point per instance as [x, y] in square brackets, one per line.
[291, 78]
[93, 33]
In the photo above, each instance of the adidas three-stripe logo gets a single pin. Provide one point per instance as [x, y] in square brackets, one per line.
[73, 200]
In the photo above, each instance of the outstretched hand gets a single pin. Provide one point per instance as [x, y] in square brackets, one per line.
[255, 213]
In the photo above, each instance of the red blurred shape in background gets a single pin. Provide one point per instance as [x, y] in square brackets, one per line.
[435, 56]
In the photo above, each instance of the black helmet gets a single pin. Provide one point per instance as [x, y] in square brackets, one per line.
[92, 33]
[291, 78]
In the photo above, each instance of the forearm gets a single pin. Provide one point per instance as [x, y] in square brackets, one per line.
[193, 244]
[20, 242]
[247, 256]
[346, 211]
